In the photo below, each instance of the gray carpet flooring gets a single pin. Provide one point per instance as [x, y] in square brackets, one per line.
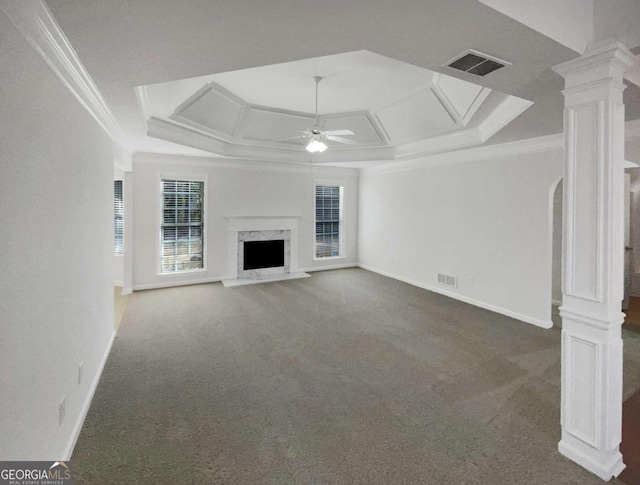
[346, 377]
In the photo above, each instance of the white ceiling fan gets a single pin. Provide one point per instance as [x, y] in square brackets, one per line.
[317, 136]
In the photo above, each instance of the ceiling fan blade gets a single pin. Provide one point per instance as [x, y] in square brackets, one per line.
[291, 138]
[346, 141]
[339, 132]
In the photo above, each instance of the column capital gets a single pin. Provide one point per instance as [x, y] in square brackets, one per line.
[600, 62]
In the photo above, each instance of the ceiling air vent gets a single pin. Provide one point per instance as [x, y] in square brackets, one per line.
[477, 63]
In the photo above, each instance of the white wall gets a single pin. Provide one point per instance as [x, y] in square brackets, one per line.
[56, 289]
[234, 192]
[488, 220]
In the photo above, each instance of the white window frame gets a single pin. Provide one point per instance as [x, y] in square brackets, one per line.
[115, 252]
[342, 245]
[191, 177]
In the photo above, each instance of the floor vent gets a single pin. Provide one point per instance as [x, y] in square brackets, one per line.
[448, 280]
[477, 63]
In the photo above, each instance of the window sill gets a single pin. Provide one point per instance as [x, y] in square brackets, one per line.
[330, 258]
[183, 272]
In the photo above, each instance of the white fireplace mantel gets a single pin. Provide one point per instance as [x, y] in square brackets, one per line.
[239, 223]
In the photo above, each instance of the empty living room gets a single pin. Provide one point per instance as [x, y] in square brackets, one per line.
[320, 242]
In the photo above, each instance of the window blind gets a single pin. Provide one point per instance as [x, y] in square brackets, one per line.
[118, 216]
[328, 221]
[181, 246]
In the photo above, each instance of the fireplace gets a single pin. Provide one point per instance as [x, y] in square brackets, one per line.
[263, 254]
[276, 249]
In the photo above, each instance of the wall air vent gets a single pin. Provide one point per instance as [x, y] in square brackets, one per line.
[448, 280]
[477, 63]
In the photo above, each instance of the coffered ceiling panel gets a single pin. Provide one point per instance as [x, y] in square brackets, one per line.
[269, 125]
[210, 109]
[461, 97]
[415, 118]
[364, 131]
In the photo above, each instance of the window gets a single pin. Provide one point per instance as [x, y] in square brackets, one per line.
[182, 227]
[118, 216]
[328, 221]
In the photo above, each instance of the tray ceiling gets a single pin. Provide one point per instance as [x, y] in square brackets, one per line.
[388, 104]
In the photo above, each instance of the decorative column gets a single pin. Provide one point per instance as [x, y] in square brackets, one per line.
[592, 267]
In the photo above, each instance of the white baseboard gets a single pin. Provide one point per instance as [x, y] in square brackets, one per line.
[126, 290]
[487, 306]
[556, 302]
[170, 284]
[326, 268]
[119, 283]
[87, 403]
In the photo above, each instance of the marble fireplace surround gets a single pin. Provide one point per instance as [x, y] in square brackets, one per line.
[243, 228]
[245, 236]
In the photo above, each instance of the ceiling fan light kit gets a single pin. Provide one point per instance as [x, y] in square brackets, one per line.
[317, 137]
[316, 145]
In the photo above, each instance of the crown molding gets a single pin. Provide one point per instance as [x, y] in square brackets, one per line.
[35, 22]
[385, 162]
[243, 164]
[458, 147]
[474, 154]
[450, 141]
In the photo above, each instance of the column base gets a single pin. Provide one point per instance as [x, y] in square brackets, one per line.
[605, 467]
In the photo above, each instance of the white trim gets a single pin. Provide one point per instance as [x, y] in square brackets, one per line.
[329, 267]
[35, 22]
[68, 451]
[329, 258]
[508, 110]
[487, 306]
[171, 284]
[555, 302]
[386, 161]
[119, 283]
[195, 177]
[143, 103]
[550, 237]
[606, 473]
[126, 290]
[262, 217]
[342, 236]
[491, 152]
[243, 164]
